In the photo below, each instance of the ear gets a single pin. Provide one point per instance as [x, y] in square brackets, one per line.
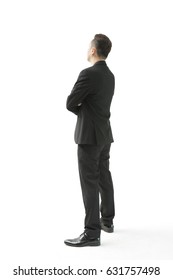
[93, 50]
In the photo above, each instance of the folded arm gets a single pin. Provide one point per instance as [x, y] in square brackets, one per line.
[79, 92]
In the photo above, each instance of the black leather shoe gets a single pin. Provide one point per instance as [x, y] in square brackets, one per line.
[106, 228]
[83, 240]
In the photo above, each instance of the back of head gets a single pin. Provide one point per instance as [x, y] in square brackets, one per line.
[102, 44]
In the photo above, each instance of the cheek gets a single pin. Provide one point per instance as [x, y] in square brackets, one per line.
[88, 54]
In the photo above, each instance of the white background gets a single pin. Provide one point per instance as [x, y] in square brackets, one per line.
[43, 48]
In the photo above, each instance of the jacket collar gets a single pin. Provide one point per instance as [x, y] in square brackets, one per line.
[100, 62]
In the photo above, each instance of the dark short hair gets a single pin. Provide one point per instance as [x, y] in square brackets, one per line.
[102, 44]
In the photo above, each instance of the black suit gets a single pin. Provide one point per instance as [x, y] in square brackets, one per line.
[90, 100]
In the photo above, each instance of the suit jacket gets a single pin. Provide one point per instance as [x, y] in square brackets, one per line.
[90, 100]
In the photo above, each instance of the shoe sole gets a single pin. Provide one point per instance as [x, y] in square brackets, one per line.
[106, 229]
[91, 243]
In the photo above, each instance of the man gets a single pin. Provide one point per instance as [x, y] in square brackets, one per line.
[90, 100]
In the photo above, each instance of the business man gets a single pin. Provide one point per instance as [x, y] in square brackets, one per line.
[90, 100]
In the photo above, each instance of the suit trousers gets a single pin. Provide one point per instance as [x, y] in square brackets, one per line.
[95, 179]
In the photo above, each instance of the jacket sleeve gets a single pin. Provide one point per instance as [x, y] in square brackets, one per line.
[79, 92]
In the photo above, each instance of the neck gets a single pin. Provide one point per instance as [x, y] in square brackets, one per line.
[96, 59]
